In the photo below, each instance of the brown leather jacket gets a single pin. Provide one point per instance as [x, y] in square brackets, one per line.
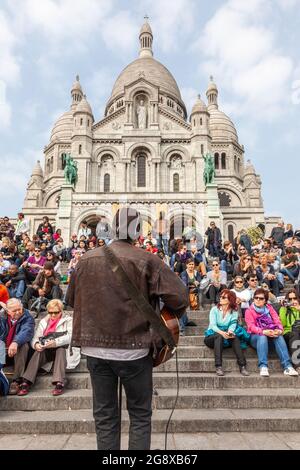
[104, 315]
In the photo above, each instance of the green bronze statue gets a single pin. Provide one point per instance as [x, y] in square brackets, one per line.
[70, 169]
[209, 169]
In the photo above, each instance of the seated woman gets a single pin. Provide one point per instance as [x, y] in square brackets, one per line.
[218, 281]
[243, 295]
[265, 328]
[191, 278]
[266, 273]
[289, 315]
[243, 267]
[223, 322]
[54, 350]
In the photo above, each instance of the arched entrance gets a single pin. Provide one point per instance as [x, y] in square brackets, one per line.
[178, 223]
[92, 221]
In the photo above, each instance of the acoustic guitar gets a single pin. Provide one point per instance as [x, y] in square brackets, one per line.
[163, 351]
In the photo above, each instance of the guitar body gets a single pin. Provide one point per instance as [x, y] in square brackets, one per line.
[164, 353]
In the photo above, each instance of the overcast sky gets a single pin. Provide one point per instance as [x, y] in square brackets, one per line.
[250, 47]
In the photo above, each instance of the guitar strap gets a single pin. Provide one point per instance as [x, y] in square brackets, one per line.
[142, 305]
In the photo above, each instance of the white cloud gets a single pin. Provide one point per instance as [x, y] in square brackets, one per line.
[65, 23]
[15, 172]
[5, 108]
[171, 20]
[242, 53]
[119, 32]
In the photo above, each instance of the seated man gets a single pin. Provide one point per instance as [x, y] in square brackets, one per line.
[33, 264]
[290, 264]
[17, 329]
[45, 285]
[14, 281]
[54, 350]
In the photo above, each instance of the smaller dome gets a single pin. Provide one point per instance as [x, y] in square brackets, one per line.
[76, 85]
[199, 106]
[62, 129]
[37, 171]
[221, 127]
[212, 85]
[249, 168]
[84, 107]
[146, 28]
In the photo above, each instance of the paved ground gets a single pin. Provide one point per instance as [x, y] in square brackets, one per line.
[201, 441]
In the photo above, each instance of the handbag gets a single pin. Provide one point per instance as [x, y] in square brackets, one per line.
[296, 326]
[193, 300]
[204, 285]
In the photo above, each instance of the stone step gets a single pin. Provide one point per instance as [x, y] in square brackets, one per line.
[208, 365]
[183, 421]
[187, 380]
[263, 398]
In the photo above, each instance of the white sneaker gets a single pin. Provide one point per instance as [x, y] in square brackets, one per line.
[290, 371]
[264, 372]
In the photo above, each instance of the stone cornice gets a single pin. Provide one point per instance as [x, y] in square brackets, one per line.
[108, 141]
[179, 121]
[109, 118]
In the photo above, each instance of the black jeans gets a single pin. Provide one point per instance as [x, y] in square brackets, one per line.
[213, 293]
[56, 293]
[293, 343]
[136, 377]
[216, 342]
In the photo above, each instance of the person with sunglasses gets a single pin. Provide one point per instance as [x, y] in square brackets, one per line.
[289, 315]
[223, 322]
[265, 327]
[34, 264]
[52, 351]
[218, 282]
[52, 258]
[266, 273]
[243, 295]
[244, 266]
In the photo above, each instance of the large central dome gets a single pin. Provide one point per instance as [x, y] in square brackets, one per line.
[150, 69]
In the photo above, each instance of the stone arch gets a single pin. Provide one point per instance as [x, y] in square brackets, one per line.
[51, 197]
[91, 216]
[175, 149]
[230, 230]
[237, 199]
[98, 153]
[134, 147]
[143, 87]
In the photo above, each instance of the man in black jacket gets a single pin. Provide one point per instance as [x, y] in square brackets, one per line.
[113, 333]
[214, 240]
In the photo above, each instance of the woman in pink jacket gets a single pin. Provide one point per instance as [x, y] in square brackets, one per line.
[266, 329]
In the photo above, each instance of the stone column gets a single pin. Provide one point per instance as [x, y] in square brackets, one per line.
[213, 206]
[64, 214]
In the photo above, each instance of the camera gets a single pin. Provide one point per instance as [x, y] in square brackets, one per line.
[286, 303]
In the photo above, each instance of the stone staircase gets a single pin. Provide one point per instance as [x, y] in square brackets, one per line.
[206, 403]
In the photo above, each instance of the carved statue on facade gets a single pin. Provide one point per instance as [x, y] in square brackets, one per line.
[209, 169]
[141, 115]
[71, 170]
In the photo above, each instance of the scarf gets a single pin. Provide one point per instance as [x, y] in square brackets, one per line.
[51, 326]
[11, 332]
[262, 310]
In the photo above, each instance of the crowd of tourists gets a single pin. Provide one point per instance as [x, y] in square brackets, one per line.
[240, 280]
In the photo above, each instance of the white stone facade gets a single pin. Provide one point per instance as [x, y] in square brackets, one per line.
[154, 161]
